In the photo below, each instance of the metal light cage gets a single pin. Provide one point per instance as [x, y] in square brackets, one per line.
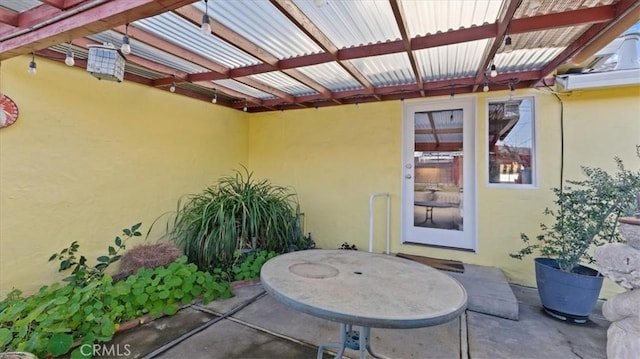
[105, 63]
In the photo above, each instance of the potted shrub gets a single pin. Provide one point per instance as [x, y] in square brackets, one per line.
[586, 215]
[237, 214]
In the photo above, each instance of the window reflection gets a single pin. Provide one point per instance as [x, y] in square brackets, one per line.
[510, 141]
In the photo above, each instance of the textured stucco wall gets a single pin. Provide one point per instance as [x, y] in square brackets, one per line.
[87, 158]
[336, 157]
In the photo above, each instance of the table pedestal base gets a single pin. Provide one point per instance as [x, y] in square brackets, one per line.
[351, 339]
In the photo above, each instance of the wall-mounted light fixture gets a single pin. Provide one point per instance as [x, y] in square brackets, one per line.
[32, 65]
[205, 29]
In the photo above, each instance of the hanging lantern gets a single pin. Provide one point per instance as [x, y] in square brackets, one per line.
[105, 62]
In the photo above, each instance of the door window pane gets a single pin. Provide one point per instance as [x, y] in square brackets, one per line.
[438, 158]
[510, 140]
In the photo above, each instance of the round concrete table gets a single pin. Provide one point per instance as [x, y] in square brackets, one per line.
[364, 289]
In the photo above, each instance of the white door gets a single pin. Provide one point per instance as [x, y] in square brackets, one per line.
[439, 177]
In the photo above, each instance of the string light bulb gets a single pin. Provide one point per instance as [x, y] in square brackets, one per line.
[205, 29]
[126, 44]
[215, 96]
[245, 106]
[494, 71]
[173, 87]
[512, 88]
[69, 60]
[485, 88]
[452, 95]
[508, 47]
[32, 65]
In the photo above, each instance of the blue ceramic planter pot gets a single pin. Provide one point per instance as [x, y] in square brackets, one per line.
[564, 295]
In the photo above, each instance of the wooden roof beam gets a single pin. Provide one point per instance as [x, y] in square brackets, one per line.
[298, 18]
[625, 13]
[503, 25]
[401, 21]
[97, 17]
[193, 15]
[9, 17]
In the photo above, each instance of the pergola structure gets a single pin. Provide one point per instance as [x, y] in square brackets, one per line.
[266, 55]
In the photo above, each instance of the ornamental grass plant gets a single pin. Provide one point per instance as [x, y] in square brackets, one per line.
[238, 213]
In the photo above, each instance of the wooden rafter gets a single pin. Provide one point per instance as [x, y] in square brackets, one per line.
[401, 21]
[193, 15]
[433, 127]
[627, 10]
[152, 40]
[58, 21]
[502, 26]
[298, 18]
[442, 131]
[442, 146]
[101, 17]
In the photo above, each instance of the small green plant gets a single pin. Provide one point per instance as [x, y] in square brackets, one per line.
[249, 268]
[586, 215]
[58, 318]
[82, 273]
[348, 246]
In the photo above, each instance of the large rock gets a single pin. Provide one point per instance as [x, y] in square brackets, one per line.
[623, 336]
[621, 263]
[630, 232]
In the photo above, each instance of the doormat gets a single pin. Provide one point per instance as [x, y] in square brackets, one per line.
[443, 264]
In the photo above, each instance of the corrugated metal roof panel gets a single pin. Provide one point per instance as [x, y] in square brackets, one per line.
[331, 76]
[195, 88]
[549, 38]
[176, 30]
[386, 70]
[148, 52]
[451, 61]
[240, 87]
[284, 83]
[144, 72]
[20, 5]
[351, 23]
[430, 17]
[424, 138]
[525, 60]
[537, 7]
[249, 20]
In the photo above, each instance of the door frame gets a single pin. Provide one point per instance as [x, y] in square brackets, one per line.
[470, 160]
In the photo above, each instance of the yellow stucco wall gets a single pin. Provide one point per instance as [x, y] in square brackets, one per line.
[87, 158]
[336, 157]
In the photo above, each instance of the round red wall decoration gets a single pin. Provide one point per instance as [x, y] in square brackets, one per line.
[8, 111]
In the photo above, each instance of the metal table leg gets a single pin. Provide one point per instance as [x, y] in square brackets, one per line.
[337, 345]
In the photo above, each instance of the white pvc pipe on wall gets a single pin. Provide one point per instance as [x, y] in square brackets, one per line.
[388, 200]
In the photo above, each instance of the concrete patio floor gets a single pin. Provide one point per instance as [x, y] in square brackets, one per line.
[254, 325]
